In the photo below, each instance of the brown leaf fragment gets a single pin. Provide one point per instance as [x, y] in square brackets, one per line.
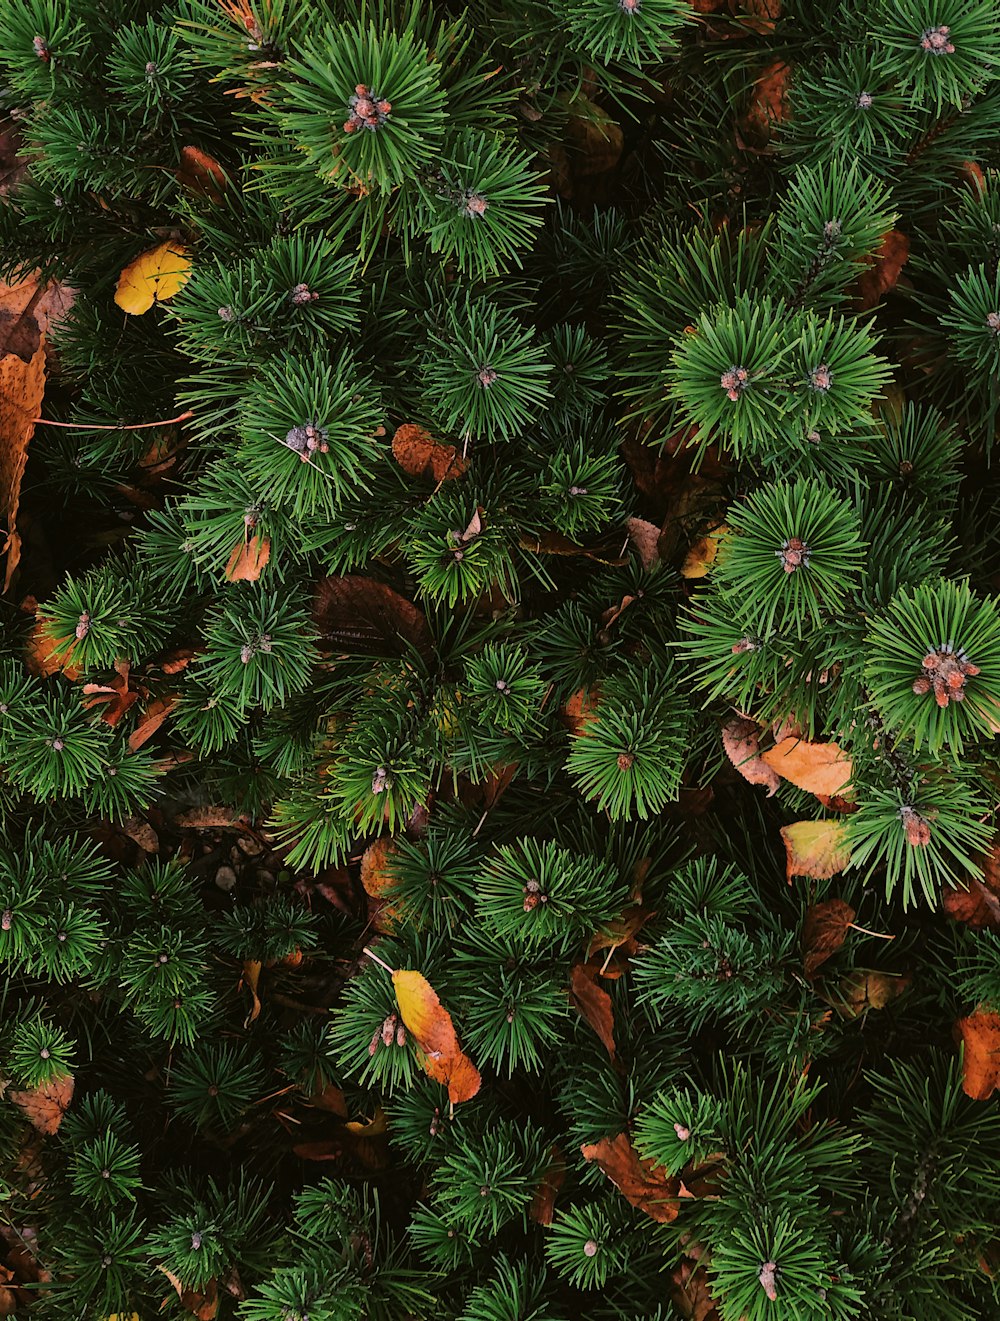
[27, 310]
[22, 385]
[819, 768]
[420, 455]
[357, 614]
[645, 538]
[860, 991]
[248, 560]
[883, 274]
[251, 980]
[593, 1004]
[824, 932]
[979, 1034]
[740, 738]
[208, 818]
[45, 1105]
[542, 1208]
[141, 833]
[690, 1294]
[201, 174]
[153, 717]
[645, 1187]
[768, 103]
[976, 906]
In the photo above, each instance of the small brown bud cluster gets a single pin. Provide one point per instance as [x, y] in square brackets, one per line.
[993, 323]
[626, 760]
[734, 381]
[533, 896]
[590, 1248]
[366, 110]
[794, 554]
[630, 6]
[250, 649]
[306, 440]
[682, 1133]
[945, 673]
[381, 780]
[83, 626]
[821, 378]
[391, 1032]
[41, 48]
[474, 205]
[486, 376]
[302, 295]
[435, 1127]
[768, 1280]
[865, 101]
[6, 919]
[917, 827]
[227, 314]
[745, 645]
[937, 41]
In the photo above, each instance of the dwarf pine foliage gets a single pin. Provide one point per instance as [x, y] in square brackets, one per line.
[500, 660]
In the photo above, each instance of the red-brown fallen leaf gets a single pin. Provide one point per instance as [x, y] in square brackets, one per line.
[42, 657]
[648, 1189]
[819, 768]
[419, 454]
[689, 1293]
[607, 550]
[354, 613]
[27, 310]
[979, 1034]
[759, 15]
[329, 1149]
[593, 1004]
[141, 833]
[823, 932]
[620, 932]
[429, 1023]
[769, 102]
[202, 1304]
[178, 659]
[860, 991]
[251, 980]
[331, 1099]
[881, 277]
[542, 1208]
[153, 717]
[594, 139]
[817, 849]
[740, 738]
[837, 803]
[645, 537]
[580, 708]
[45, 1105]
[976, 906]
[378, 882]
[115, 697]
[22, 385]
[201, 174]
[248, 560]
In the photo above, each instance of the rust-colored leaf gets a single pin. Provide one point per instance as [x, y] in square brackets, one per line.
[594, 139]
[420, 455]
[648, 1189]
[769, 101]
[22, 385]
[819, 768]
[542, 1208]
[580, 708]
[430, 1024]
[201, 174]
[645, 538]
[45, 1105]
[593, 1004]
[358, 614]
[251, 980]
[609, 550]
[740, 738]
[331, 1099]
[690, 1294]
[824, 931]
[248, 560]
[976, 906]
[153, 717]
[378, 882]
[979, 1034]
[817, 849]
[883, 274]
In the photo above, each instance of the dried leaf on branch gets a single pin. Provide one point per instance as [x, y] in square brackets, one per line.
[593, 1004]
[429, 1023]
[647, 1188]
[817, 849]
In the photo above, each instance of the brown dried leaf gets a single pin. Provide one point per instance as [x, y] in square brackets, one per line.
[645, 537]
[581, 707]
[824, 931]
[882, 276]
[860, 991]
[248, 560]
[419, 454]
[251, 980]
[22, 385]
[29, 309]
[45, 1105]
[769, 102]
[542, 1208]
[141, 833]
[201, 174]
[594, 140]
[648, 1189]
[817, 849]
[606, 551]
[155, 714]
[980, 1038]
[976, 906]
[740, 738]
[354, 613]
[819, 768]
[208, 818]
[690, 1293]
[593, 1004]
[428, 1021]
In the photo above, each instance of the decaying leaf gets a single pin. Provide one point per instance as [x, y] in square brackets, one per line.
[378, 882]
[22, 385]
[860, 991]
[979, 1034]
[248, 560]
[645, 537]
[153, 717]
[419, 454]
[153, 277]
[361, 614]
[45, 1105]
[690, 1294]
[884, 272]
[28, 309]
[819, 768]
[824, 931]
[581, 707]
[740, 738]
[702, 553]
[593, 1004]
[817, 849]
[251, 980]
[976, 906]
[426, 1019]
[594, 139]
[769, 101]
[201, 174]
[647, 1188]
[542, 1208]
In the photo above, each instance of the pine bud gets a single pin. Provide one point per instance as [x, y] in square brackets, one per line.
[734, 381]
[682, 1133]
[590, 1248]
[83, 626]
[794, 554]
[486, 376]
[821, 378]
[918, 831]
[993, 322]
[474, 205]
[302, 295]
[865, 101]
[41, 48]
[767, 1279]
[936, 41]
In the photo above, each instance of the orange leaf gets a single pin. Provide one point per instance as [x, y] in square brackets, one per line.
[22, 385]
[740, 738]
[248, 560]
[824, 931]
[701, 555]
[816, 848]
[980, 1037]
[45, 1105]
[542, 1208]
[649, 1190]
[430, 1023]
[593, 1004]
[819, 768]
[156, 712]
[887, 265]
[152, 277]
[419, 454]
[201, 174]
[977, 906]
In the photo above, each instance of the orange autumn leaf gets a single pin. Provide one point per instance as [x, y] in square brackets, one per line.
[977, 906]
[426, 1019]
[248, 560]
[45, 1105]
[27, 310]
[43, 657]
[542, 1208]
[740, 738]
[580, 708]
[155, 714]
[419, 454]
[152, 277]
[883, 274]
[824, 932]
[648, 1189]
[980, 1037]
[593, 1004]
[22, 385]
[201, 174]
[819, 768]
[701, 556]
[817, 849]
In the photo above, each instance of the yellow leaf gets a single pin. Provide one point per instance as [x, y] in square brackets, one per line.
[153, 277]
[819, 768]
[816, 848]
[430, 1023]
[701, 556]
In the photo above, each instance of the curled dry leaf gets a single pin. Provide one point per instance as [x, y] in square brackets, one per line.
[819, 768]
[22, 385]
[824, 932]
[419, 454]
[740, 738]
[647, 1188]
[593, 1004]
[201, 174]
[580, 708]
[248, 560]
[355, 613]
[378, 882]
[817, 849]
[153, 277]
[251, 980]
[45, 1105]
[979, 1034]
[645, 538]
[426, 1019]
[542, 1208]
[153, 717]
